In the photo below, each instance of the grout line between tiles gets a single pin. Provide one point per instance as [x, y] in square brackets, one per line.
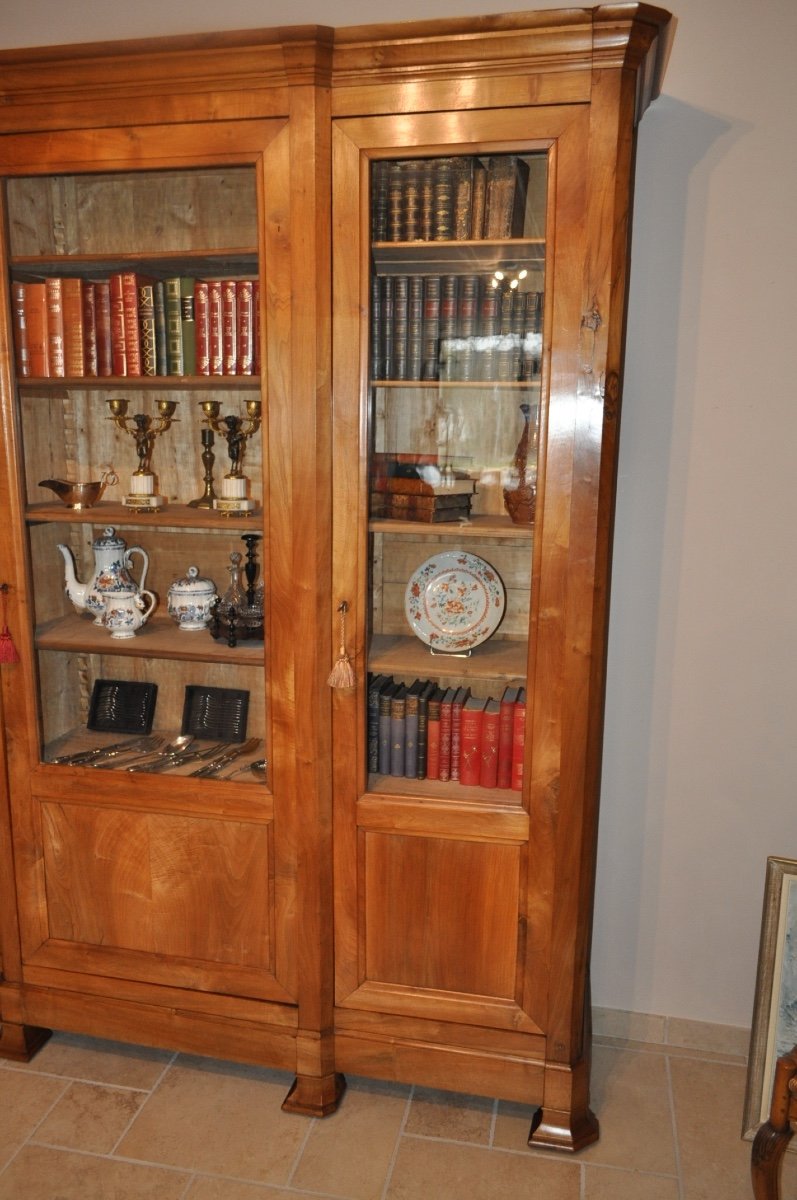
[401, 1133]
[493, 1123]
[676, 1145]
[28, 1140]
[301, 1149]
[155, 1088]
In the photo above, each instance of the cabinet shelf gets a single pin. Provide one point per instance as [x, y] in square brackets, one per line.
[178, 516]
[474, 527]
[475, 385]
[50, 385]
[234, 261]
[159, 638]
[435, 790]
[494, 660]
[465, 257]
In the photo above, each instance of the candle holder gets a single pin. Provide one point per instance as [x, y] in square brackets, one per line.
[236, 431]
[208, 459]
[145, 430]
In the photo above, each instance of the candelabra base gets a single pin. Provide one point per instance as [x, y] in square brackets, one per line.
[234, 506]
[143, 503]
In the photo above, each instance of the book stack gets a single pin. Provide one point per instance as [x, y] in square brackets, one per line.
[449, 199]
[425, 731]
[454, 328]
[402, 491]
[130, 324]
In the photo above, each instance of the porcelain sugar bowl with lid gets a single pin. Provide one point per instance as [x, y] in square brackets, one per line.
[190, 601]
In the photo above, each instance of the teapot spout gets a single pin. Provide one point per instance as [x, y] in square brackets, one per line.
[75, 590]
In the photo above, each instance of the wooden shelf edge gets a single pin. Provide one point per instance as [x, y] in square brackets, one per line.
[501, 660]
[28, 384]
[159, 638]
[180, 516]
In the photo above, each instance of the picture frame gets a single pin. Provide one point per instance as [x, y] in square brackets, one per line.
[774, 1030]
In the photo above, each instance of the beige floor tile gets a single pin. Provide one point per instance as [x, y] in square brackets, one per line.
[703, 1035]
[349, 1153]
[90, 1117]
[628, 1026]
[219, 1118]
[231, 1189]
[444, 1171]
[512, 1126]
[611, 1183]
[98, 1061]
[708, 1100]
[39, 1173]
[450, 1115]
[630, 1097]
[24, 1100]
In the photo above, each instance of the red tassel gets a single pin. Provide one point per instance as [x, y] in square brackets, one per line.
[8, 651]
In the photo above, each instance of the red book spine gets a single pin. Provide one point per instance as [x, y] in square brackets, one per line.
[36, 321]
[89, 328]
[518, 741]
[229, 326]
[215, 320]
[245, 304]
[506, 718]
[55, 324]
[21, 349]
[256, 326]
[433, 748]
[72, 300]
[132, 328]
[118, 341]
[445, 736]
[456, 731]
[102, 297]
[471, 742]
[488, 767]
[202, 324]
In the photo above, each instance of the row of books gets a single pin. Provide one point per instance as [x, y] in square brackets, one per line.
[424, 731]
[449, 199]
[453, 327]
[130, 324]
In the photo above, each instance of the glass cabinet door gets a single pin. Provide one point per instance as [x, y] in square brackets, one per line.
[457, 290]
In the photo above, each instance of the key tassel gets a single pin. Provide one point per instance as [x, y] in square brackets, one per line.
[8, 651]
[342, 674]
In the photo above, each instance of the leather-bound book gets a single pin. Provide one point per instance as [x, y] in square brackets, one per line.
[89, 296]
[398, 370]
[20, 329]
[398, 729]
[479, 195]
[246, 327]
[506, 719]
[188, 326]
[55, 324]
[385, 698]
[411, 714]
[202, 325]
[414, 326]
[518, 740]
[444, 771]
[433, 734]
[36, 321]
[457, 706]
[376, 684]
[102, 308]
[174, 327]
[505, 203]
[430, 332]
[145, 289]
[216, 320]
[74, 348]
[488, 766]
[423, 727]
[462, 197]
[379, 183]
[470, 751]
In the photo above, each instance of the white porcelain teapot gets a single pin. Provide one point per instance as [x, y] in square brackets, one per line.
[112, 560]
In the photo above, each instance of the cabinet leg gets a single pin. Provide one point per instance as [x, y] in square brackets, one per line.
[315, 1096]
[563, 1130]
[20, 1042]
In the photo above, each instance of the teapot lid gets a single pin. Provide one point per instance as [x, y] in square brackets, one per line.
[108, 541]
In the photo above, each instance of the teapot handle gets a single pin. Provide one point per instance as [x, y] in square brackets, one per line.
[145, 559]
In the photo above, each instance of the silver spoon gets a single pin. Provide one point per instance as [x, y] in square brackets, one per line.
[169, 753]
[258, 769]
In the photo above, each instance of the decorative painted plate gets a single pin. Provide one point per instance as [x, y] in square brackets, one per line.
[454, 601]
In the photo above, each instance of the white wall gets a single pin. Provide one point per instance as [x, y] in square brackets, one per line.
[701, 753]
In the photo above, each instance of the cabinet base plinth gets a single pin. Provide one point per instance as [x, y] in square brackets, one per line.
[19, 1043]
[563, 1130]
[315, 1096]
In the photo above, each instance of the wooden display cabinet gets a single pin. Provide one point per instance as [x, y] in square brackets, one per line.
[345, 914]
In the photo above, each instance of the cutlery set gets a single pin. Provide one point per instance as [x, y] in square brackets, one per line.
[155, 754]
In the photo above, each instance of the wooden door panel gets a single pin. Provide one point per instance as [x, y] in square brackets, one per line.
[441, 914]
[163, 885]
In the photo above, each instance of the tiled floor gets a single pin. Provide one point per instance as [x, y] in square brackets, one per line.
[90, 1120]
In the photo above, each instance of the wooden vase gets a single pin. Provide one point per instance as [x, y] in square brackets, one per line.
[520, 499]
